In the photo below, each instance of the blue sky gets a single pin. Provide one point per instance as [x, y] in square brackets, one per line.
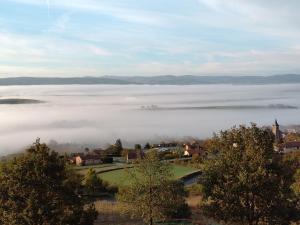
[149, 37]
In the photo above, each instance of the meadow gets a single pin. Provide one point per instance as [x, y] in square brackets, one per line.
[121, 177]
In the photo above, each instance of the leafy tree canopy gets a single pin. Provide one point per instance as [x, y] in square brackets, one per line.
[37, 188]
[137, 147]
[147, 146]
[152, 194]
[245, 181]
[93, 183]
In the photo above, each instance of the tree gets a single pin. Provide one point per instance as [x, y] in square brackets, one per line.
[93, 183]
[137, 147]
[152, 194]
[296, 185]
[292, 137]
[118, 147]
[245, 181]
[293, 159]
[114, 150]
[87, 150]
[147, 146]
[37, 188]
[196, 160]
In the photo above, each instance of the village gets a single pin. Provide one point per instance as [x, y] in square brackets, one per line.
[285, 141]
[111, 166]
[166, 150]
[113, 181]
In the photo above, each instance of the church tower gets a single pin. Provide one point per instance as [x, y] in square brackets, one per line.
[277, 132]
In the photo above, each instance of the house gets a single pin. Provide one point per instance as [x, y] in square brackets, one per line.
[134, 155]
[89, 159]
[72, 158]
[289, 146]
[97, 151]
[163, 147]
[192, 149]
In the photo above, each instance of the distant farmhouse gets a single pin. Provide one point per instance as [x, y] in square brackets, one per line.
[290, 146]
[162, 147]
[88, 158]
[133, 155]
[193, 149]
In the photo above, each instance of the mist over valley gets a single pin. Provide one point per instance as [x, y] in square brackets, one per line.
[97, 115]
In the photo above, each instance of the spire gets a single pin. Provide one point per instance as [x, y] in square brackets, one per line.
[277, 132]
[276, 123]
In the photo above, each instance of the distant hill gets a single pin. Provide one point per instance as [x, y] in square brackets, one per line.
[154, 80]
[60, 81]
[17, 101]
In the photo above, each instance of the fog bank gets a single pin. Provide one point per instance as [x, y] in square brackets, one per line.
[99, 114]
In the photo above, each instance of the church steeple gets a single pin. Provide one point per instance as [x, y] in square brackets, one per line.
[276, 123]
[277, 132]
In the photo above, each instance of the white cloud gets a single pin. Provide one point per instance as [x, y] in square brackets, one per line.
[99, 51]
[42, 55]
[276, 17]
[101, 7]
[168, 42]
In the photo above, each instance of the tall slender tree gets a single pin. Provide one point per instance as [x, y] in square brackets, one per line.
[118, 147]
[152, 194]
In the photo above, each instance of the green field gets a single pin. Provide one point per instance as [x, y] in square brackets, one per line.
[121, 177]
[99, 168]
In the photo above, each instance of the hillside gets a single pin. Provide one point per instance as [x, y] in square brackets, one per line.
[153, 80]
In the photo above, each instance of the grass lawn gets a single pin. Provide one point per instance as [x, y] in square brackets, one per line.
[98, 168]
[79, 168]
[181, 171]
[121, 177]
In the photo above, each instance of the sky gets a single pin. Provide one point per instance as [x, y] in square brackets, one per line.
[50, 38]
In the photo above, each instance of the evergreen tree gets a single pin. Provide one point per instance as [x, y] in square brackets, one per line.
[147, 146]
[118, 147]
[137, 147]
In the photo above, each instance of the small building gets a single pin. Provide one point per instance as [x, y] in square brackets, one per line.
[72, 157]
[164, 147]
[97, 151]
[193, 149]
[134, 155]
[290, 146]
[89, 159]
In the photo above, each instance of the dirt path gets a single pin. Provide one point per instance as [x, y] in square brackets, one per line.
[109, 213]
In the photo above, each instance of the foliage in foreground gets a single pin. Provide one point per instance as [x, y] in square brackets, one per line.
[92, 183]
[36, 188]
[293, 159]
[245, 181]
[152, 195]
